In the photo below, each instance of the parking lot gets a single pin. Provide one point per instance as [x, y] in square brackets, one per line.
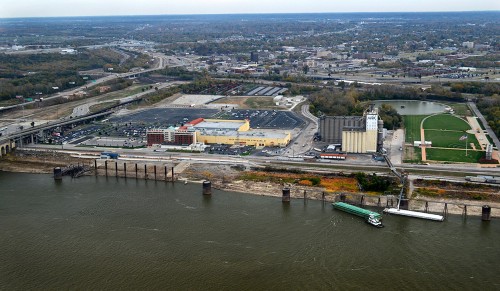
[164, 117]
[133, 127]
[115, 142]
[221, 149]
[265, 119]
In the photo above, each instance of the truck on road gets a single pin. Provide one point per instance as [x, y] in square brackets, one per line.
[109, 155]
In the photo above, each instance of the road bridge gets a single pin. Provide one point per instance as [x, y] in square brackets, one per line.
[6, 146]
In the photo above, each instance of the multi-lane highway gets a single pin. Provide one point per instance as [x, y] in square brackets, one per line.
[84, 109]
[161, 63]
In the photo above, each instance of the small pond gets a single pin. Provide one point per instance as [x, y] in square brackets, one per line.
[411, 107]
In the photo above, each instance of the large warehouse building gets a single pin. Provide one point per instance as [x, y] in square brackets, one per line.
[215, 131]
[356, 134]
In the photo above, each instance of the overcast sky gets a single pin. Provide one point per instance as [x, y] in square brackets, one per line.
[41, 8]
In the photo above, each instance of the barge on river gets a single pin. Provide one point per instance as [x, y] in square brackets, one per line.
[371, 217]
[416, 214]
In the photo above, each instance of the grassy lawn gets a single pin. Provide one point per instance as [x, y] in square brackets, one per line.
[412, 126]
[449, 139]
[132, 90]
[446, 121]
[460, 108]
[445, 155]
[412, 155]
[9, 102]
[101, 106]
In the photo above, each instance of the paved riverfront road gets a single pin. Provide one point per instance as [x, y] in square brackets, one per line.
[347, 166]
[473, 106]
[303, 140]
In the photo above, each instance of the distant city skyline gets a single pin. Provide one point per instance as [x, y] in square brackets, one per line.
[51, 8]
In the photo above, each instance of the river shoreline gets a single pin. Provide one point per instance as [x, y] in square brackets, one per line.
[225, 179]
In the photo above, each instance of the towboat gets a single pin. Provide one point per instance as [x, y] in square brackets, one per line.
[374, 221]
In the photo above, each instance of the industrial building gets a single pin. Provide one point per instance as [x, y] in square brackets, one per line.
[215, 131]
[356, 134]
[246, 138]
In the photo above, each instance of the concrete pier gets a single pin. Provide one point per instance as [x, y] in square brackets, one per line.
[286, 195]
[486, 213]
[57, 173]
[207, 188]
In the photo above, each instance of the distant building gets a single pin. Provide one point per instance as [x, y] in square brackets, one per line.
[68, 51]
[467, 69]
[254, 57]
[356, 134]
[482, 47]
[468, 44]
[311, 63]
[324, 54]
[243, 70]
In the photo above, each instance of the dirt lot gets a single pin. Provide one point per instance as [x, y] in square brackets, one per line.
[38, 162]
[249, 102]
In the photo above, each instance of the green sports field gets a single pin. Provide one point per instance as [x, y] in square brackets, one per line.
[461, 109]
[445, 155]
[444, 131]
[412, 126]
[446, 121]
[450, 139]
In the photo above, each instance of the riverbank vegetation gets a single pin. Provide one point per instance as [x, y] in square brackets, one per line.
[347, 103]
[455, 190]
[333, 183]
[155, 97]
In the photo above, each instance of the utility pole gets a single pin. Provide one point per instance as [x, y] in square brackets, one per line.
[466, 144]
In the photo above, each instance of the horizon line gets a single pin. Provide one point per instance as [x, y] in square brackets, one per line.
[263, 13]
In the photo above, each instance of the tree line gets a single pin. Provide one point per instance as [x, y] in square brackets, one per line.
[349, 103]
[490, 108]
[32, 74]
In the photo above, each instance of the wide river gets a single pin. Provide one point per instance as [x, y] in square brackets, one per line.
[107, 233]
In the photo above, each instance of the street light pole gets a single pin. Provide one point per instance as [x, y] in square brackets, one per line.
[466, 144]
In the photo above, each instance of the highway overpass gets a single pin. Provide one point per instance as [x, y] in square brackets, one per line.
[29, 135]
